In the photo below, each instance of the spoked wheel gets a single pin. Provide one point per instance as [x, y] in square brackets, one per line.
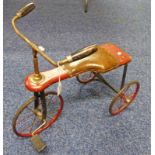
[86, 5]
[85, 77]
[28, 118]
[124, 98]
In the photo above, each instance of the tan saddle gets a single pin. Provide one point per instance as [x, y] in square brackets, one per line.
[105, 58]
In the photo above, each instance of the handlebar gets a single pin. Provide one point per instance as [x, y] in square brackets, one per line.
[21, 13]
[26, 9]
[79, 54]
[73, 57]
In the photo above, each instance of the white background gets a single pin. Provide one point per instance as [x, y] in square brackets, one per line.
[1, 77]
[152, 76]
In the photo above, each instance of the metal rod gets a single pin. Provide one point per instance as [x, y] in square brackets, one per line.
[124, 76]
[36, 102]
[43, 102]
[35, 62]
[30, 43]
[44, 122]
[101, 79]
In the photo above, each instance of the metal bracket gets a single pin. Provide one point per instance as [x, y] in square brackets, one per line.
[124, 76]
[101, 79]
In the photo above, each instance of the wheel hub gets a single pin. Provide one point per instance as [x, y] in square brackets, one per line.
[38, 113]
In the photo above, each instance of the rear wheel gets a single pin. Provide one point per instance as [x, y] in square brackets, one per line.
[28, 118]
[86, 77]
[124, 98]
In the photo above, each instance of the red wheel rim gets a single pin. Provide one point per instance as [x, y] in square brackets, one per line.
[124, 98]
[48, 124]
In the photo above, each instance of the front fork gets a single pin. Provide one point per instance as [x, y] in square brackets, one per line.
[41, 96]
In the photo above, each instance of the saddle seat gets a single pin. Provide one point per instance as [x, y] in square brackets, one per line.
[107, 57]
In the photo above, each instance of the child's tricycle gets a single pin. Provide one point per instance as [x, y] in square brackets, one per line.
[43, 108]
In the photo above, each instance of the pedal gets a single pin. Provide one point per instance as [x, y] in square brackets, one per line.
[38, 143]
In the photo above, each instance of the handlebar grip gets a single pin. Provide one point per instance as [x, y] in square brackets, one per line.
[83, 53]
[26, 9]
[80, 54]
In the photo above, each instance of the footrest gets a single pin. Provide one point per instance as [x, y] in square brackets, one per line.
[38, 143]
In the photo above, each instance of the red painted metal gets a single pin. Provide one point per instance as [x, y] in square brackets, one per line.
[49, 77]
[117, 52]
[122, 96]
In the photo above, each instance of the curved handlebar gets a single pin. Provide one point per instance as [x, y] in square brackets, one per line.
[21, 13]
[73, 57]
[26, 9]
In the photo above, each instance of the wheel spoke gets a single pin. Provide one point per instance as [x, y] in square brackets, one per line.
[86, 77]
[26, 128]
[48, 117]
[49, 101]
[26, 118]
[35, 120]
[31, 110]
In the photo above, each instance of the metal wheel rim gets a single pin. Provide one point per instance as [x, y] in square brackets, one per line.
[48, 124]
[126, 87]
[87, 80]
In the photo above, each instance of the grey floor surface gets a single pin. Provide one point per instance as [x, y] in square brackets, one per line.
[85, 126]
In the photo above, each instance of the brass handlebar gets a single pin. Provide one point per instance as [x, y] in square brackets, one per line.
[26, 9]
[76, 56]
[21, 13]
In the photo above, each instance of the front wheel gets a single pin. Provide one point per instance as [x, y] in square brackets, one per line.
[124, 98]
[28, 118]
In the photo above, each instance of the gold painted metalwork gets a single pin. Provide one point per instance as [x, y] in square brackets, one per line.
[21, 13]
[37, 78]
[99, 62]
[44, 122]
[31, 44]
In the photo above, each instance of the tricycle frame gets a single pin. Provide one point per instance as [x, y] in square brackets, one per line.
[39, 95]
[103, 80]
